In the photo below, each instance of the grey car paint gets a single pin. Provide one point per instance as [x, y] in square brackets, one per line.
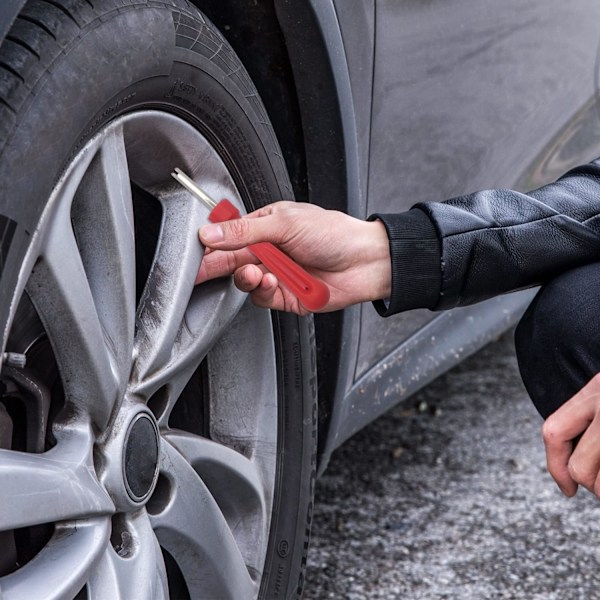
[465, 96]
[470, 95]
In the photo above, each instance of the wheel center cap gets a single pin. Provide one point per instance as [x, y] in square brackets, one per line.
[140, 458]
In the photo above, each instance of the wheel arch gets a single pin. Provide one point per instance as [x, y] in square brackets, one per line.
[286, 46]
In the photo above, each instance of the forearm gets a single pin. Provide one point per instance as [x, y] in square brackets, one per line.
[493, 242]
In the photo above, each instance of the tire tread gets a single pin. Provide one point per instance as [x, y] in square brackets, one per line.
[42, 30]
[13, 71]
[20, 42]
[37, 37]
[36, 23]
[60, 6]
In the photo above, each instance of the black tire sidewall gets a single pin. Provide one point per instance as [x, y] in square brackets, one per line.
[129, 58]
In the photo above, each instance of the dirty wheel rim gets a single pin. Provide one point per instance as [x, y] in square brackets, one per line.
[119, 497]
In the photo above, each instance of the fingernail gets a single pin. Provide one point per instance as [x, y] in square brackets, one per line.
[211, 233]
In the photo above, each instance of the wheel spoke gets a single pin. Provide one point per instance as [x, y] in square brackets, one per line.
[136, 571]
[83, 284]
[236, 486]
[210, 311]
[102, 217]
[59, 284]
[61, 569]
[169, 285]
[58, 485]
[243, 388]
[178, 323]
[192, 528]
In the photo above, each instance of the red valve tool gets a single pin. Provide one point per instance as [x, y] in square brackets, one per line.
[312, 293]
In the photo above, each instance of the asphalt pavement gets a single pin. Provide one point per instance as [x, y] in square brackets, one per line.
[448, 497]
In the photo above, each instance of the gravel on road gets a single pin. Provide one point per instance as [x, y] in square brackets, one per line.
[448, 497]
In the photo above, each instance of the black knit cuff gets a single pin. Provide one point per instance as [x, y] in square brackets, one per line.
[415, 251]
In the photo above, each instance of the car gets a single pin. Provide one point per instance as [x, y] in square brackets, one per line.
[160, 439]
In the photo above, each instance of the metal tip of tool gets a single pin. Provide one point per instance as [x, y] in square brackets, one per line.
[189, 184]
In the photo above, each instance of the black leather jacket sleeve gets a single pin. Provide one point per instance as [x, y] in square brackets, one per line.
[470, 248]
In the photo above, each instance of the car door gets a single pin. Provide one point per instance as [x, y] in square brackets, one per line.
[474, 95]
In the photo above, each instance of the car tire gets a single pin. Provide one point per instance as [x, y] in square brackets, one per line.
[92, 95]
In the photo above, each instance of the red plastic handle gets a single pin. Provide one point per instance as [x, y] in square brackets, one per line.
[312, 292]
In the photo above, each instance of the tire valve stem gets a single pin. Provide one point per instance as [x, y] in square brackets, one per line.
[311, 292]
[14, 359]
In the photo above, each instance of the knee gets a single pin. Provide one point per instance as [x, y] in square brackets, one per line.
[546, 325]
[556, 341]
[538, 338]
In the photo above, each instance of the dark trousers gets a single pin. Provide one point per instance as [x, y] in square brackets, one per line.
[558, 338]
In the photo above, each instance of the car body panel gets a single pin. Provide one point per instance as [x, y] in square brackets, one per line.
[471, 96]
[442, 343]
[465, 97]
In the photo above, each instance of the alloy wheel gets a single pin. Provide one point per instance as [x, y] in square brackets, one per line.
[138, 445]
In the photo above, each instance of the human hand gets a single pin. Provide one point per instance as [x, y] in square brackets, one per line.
[572, 464]
[349, 255]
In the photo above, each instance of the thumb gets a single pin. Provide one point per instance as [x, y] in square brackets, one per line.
[239, 233]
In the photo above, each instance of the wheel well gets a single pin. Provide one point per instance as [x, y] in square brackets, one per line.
[281, 45]
[254, 33]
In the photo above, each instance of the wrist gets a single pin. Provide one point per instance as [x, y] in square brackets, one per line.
[375, 254]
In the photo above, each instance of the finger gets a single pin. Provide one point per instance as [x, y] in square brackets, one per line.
[275, 207]
[262, 285]
[268, 293]
[275, 226]
[239, 233]
[218, 263]
[584, 463]
[558, 452]
[562, 427]
[265, 290]
[248, 278]
[596, 489]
